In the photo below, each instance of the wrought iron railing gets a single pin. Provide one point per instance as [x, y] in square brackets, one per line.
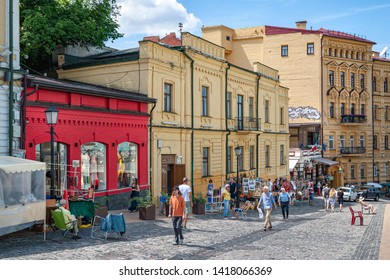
[352, 150]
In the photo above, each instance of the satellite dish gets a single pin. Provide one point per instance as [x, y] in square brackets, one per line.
[383, 52]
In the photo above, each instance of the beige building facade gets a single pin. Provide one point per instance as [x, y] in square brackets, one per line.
[206, 108]
[333, 105]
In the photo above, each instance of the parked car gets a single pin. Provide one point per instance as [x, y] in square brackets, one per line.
[368, 192]
[349, 193]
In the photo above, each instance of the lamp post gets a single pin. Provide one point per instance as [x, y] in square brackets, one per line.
[51, 120]
[238, 151]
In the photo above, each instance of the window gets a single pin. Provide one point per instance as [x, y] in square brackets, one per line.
[205, 94]
[375, 108]
[251, 157]
[362, 141]
[362, 171]
[351, 141]
[282, 115]
[342, 79]
[241, 159]
[229, 105]
[385, 86]
[281, 155]
[266, 111]
[310, 48]
[342, 108]
[331, 110]
[284, 50]
[362, 110]
[93, 166]
[342, 144]
[386, 142]
[353, 176]
[386, 113]
[127, 164]
[229, 160]
[227, 38]
[205, 162]
[331, 77]
[374, 84]
[331, 142]
[375, 142]
[352, 80]
[362, 81]
[267, 155]
[386, 168]
[251, 108]
[376, 169]
[352, 108]
[167, 97]
[240, 112]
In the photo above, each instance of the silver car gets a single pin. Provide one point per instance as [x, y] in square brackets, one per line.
[349, 194]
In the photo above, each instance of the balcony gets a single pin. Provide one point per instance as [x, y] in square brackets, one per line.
[352, 150]
[247, 124]
[353, 119]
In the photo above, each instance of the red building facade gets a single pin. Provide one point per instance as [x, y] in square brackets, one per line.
[101, 136]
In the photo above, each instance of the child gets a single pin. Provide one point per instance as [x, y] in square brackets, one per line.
[176, 211]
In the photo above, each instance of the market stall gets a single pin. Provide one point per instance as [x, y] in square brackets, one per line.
[22, 193]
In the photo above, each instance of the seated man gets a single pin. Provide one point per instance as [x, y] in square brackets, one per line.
[367, 206]
[245, 207]
[70, 220]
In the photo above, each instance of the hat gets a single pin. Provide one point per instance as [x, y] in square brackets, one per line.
[62, 202]
[227, 185]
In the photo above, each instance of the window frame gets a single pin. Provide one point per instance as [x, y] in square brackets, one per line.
[205, 97]
[168, 97]
[284, 50]
[310, 48]
[205, 162]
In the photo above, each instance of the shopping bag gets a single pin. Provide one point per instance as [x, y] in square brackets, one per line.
[261, 215]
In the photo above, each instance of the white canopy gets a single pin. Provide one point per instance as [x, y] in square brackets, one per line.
[13, 164]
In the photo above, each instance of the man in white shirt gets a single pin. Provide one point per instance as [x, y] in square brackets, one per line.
[185, 190]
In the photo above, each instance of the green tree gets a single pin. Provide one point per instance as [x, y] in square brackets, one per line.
[46, 24]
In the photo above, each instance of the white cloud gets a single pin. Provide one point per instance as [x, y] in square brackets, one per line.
[155, 17]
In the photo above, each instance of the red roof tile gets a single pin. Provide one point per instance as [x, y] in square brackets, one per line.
[169, 39]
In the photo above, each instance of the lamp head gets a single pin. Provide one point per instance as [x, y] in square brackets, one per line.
[51, 116]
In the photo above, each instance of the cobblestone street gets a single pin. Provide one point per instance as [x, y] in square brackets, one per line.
[310, 233]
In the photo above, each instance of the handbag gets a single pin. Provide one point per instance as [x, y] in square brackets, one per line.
[261, 215]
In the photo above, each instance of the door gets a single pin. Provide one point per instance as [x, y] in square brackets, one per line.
[166, 162]
[240, 113]
[177, 173]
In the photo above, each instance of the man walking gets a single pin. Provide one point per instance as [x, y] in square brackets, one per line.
[185, 189]
[268, 200]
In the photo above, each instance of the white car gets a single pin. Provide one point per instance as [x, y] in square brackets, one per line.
[349, 194]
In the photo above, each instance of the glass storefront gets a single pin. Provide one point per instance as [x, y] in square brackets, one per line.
[127, 164]
[93, 166]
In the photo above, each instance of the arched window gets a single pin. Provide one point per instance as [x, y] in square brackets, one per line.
[127, 164]
[374, 84]
[93, 166]
[385, 86]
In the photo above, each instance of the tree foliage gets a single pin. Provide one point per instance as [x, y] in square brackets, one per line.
[45, 24]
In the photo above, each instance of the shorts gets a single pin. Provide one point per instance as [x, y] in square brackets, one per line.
[188, 207]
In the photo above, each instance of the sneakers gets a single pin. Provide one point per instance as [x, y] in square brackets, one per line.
[75, 237]
[175, 243]
[225, 218]
[181, 241]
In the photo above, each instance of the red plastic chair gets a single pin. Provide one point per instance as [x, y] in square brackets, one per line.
[356, 214]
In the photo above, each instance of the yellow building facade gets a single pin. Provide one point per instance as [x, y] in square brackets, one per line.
[206, 108]
[332, 102]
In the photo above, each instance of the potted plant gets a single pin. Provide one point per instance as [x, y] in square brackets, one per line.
[146, 207]
[199, 203]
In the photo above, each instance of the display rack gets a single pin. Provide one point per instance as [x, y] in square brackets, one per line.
[214, 203]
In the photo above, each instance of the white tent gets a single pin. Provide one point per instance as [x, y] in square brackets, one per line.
[22, 193]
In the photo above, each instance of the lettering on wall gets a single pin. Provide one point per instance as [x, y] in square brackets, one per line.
[304, 112]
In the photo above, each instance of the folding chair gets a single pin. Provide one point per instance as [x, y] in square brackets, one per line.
[112, 223]
[59, 222]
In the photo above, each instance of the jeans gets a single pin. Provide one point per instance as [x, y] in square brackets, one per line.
[177, 227]
[285, 208]
[226, 204]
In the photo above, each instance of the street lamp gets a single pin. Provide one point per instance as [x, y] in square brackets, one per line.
[238, 151]
[51, 120]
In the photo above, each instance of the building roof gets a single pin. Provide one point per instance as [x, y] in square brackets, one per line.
[276, 30]
[65, 85]
[170, 40]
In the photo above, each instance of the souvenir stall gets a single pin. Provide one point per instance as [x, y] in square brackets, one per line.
[22, 193]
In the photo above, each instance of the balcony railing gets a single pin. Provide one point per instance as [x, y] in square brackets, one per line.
[247, 123]
[353, 118]
[352, 150]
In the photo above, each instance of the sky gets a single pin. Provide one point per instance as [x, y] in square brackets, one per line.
[140, 18]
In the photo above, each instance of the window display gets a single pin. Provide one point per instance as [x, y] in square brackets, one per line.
[127, 164]
[93, 166]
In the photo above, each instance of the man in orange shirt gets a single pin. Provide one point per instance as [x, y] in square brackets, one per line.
[176, 210]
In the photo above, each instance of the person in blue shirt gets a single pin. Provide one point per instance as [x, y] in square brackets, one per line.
[284, 202]
[267, 199]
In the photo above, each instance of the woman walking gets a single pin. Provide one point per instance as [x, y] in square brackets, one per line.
[332, 198]
[340, 198]
[267, 199]
[176, 211]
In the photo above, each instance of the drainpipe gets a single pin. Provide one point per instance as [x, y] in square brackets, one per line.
[11, 81]
[192, 118]
[322, 103]
[372, 117]
[226, 122]
[150, 147]
[257, 125]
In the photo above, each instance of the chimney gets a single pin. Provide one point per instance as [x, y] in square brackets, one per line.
[301, 24]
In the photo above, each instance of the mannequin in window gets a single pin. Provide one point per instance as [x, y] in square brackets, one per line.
[121, 168]
[134, 193]
[93, 172]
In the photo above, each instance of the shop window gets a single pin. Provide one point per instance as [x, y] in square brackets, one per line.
[127, 164]
[93, 166]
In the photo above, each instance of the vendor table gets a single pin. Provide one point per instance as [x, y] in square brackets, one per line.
[85, 208]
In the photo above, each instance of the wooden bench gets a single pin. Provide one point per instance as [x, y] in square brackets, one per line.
[356, 214]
